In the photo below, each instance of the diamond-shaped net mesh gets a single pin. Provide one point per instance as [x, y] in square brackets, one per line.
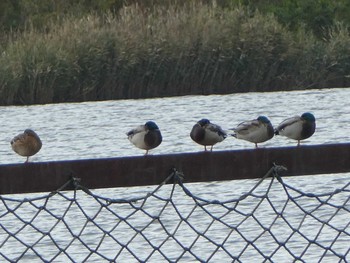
[273, 222]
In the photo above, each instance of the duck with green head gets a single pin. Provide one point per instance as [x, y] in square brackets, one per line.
[146, 137]
[255, 131]
[207, 134]
[298, 127]
[26, 144]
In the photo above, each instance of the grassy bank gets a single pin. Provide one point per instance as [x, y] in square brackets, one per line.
[168, 51]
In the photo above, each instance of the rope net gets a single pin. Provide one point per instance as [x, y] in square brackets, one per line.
[273, 222]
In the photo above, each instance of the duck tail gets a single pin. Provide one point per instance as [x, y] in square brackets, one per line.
[231, 132]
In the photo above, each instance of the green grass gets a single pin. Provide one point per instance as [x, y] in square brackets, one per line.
[167, 51]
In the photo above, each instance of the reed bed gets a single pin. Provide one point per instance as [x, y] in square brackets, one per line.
[167, 51]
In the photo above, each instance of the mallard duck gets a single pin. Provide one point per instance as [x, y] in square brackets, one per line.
[298, 127]
[256, 131]
[26, 144]
[146, 136]
[206, 133]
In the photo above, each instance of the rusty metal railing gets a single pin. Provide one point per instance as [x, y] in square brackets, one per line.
[151, 170]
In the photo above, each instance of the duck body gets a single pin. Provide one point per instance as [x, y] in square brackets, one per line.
[207, 134]
[146, 137]
[255, 131]
[298, 127]
[26, 144]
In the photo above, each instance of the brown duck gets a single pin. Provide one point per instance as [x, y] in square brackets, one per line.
[26, 144]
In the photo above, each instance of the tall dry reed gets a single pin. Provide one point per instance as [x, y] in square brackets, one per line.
[166, 51]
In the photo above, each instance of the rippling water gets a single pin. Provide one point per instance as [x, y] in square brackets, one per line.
[97, 129]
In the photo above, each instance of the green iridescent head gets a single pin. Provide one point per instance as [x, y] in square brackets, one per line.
[263, 119]
[151, 125]
[308, 117]
[203, 122]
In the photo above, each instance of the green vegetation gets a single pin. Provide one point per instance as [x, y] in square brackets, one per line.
[110, 49]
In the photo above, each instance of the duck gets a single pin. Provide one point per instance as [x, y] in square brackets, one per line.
[146, 137]
[256, 131]
[207, 134]
[297, 127]
[26, 144]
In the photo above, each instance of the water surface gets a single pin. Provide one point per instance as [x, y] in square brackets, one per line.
[97, 130]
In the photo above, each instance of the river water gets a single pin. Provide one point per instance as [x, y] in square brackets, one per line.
[97, 130]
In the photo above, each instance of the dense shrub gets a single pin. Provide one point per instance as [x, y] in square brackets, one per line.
[167, 50]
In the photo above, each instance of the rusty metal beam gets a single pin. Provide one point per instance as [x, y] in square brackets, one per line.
[197, 167]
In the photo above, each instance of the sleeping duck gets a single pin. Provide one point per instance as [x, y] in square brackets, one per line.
[255, 131]
[207, 134]
[26, 144]
[145, 136]
[298, 127]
